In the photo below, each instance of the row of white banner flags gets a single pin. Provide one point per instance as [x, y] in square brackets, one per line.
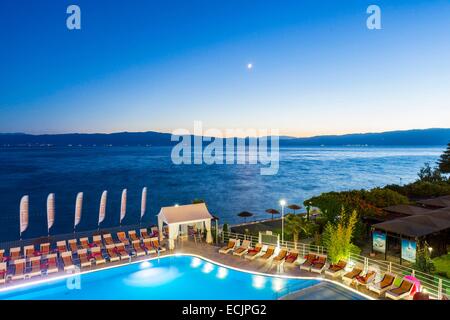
[24, 209]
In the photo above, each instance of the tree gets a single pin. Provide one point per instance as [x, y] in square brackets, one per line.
[196, 201]
[337, 238]
[294, 224]
[423, 259]
[429, 174]
[444, 161]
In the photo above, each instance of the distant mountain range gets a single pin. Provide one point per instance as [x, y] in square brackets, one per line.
[425, 137]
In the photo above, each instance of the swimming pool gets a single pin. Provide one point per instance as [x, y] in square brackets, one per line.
[173, 277]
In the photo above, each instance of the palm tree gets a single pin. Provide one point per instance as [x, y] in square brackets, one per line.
[294, 224]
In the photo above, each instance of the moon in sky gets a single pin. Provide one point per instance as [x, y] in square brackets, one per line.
[250, 66]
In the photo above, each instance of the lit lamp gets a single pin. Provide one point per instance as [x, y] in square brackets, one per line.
[282, 204]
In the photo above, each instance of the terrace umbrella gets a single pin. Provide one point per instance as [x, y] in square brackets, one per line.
[294, 207]
[272, 212]
[245, 215]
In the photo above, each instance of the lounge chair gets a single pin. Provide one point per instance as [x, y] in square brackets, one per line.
[291, 257]
[84, 242]
[279, 258]
[123, 254]
[44, 248]
[350, 276]
[232, 243]
[402, 291]
[336, 270]
[253, 253]
[156, 245]
[14, 253]
[73, 245]
[83, 257]
[107, 238]
[319, 264]
[112, 253]
[383, 285]
[268, 254]
[19, 268]
[309, 261]
[35, 267]
[242, 249]
[155, 231]
[147, 243]
[29, 251]
[97, 254]
[61, 246]
[367, 279]
[97, 240]
[144, 234]
[123, 238]
[67, 261]
[3, 272]
[132, 235]
[52, 265]
[138, 249]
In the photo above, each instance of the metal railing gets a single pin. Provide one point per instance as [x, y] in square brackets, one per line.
[434, 285]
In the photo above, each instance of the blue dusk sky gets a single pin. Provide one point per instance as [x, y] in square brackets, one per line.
[141, 65]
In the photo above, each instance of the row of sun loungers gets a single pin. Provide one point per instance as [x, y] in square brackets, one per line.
[251, 253]
[317, 263]
[72, 255]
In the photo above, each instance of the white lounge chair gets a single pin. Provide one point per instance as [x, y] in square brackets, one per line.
[3, 271]
[268, 254]
[242, 249]
[336, 270]
[67, 261]
[156, 245]
[19, 269]
[97, 254]
[137, 248]
[112, 253]
[29, 251]
[348, 277]
[35, 267]
[83, 257]
[402, 291]
[52, 263]
[123, 254]
[255, 252]
[383, 285]
[61, 246]
[319, 264]
[232, 243]
[147, 243]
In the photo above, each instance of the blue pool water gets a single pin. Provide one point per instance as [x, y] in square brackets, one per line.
[176, 277]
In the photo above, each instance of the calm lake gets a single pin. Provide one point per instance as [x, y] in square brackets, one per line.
[227, 189]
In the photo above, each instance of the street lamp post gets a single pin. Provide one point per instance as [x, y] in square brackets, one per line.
[282, 204]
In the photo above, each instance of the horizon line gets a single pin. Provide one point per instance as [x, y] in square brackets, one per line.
[248, 136]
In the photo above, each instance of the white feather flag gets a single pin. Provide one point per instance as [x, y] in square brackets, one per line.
[144, 201]
[24, 204]
[78, 209]
[123, 205]
[50, 210]
[102, 211]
